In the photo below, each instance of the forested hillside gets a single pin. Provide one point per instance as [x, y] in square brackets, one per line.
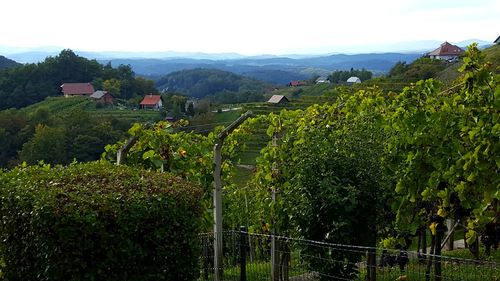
[5, 62]
[31, 83]
[200, 83]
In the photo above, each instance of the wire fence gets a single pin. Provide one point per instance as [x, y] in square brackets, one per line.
[250, 256]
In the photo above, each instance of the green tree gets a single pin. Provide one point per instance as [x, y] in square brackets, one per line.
[47, 144]
[113, 86]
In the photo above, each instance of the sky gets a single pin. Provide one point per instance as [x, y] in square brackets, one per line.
[249, 27]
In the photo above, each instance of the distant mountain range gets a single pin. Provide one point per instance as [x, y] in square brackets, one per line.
[270, 68]
[279, 70]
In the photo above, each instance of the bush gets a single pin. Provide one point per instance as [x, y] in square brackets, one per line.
[97, 221]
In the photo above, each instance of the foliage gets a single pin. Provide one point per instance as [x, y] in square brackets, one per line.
[163, 147]
[493, 56]
[98, 221]
[420, 69]
[57, 132]
[231, 97]
[158, 147]
[324, 166]
[13, 135]
[340, 76]
[174, 105]
[47, 144]
[444, 151]
[112, 86]
[200, 83]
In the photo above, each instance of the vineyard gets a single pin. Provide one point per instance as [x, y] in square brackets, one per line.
[365, 168]
[62, 106]
[395, 174]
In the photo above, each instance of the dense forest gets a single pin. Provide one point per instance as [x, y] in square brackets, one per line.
[27, 84]
[40, 135]
[200, 83]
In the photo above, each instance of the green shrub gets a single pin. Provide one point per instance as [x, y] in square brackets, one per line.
[97, 221]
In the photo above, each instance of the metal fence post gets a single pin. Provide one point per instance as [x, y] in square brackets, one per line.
[217, 196]
[243, 253]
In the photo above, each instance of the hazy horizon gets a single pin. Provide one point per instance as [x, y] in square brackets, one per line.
[248, 28]
[400, 47]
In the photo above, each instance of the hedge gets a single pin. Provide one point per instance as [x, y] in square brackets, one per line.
[97, 221]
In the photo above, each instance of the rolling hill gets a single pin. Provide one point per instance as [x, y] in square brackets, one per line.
[5, 62]
[203, 82]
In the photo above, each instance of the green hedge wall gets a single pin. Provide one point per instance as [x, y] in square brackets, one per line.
[97, 221]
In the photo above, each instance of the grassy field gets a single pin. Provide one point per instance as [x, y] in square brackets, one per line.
[227, 116]
[61, 106]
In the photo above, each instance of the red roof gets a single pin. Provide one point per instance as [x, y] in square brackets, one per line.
[151, 99]
[77, 88]
[297, 83]
[447, 49]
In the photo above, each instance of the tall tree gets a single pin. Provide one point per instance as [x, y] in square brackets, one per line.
[48, 145]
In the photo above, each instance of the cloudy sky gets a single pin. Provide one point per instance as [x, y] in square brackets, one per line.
[242, 26]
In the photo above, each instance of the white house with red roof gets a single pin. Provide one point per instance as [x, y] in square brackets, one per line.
[77, 89]
[446, 51]
[151, 101]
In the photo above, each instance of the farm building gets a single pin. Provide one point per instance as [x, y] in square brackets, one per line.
[151, 101]
[278, 99]
[77, 89]
[102, 97]
[297, 83]
[446, 51]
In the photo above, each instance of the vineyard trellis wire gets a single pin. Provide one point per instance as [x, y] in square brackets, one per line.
[247, 256]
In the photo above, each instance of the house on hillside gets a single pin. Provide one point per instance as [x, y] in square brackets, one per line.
[77, 89]
[278, 100]
[154, 102]
[102, 97]
[497, 41]
[447, 52]
[296, 83]
[353, 80]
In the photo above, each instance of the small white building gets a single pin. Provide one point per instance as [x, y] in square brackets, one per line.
[322, 80]
[353, 80]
